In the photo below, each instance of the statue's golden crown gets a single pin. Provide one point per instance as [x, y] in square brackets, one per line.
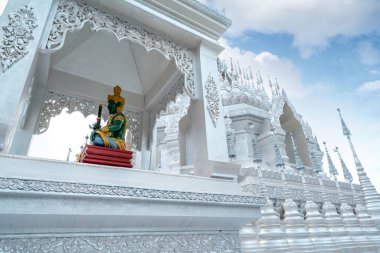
[117, 98]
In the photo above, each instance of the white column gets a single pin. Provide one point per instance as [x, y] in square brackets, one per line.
[209, 139]
[14, 80]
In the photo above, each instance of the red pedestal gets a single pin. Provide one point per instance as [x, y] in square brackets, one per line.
[106, 156]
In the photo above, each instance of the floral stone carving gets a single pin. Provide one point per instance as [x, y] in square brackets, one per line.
[29, 185]
[131, 242]
[72, 15]
[212, 97]
[17, 35]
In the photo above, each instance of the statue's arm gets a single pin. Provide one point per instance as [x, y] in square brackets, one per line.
[117, 124]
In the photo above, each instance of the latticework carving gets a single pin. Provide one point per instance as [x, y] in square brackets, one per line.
[56, 102]
[72, 15]
[131, 242]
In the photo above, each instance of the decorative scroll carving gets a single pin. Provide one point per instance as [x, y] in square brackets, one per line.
[72, 15]
[17, 35]
[16, 184]
[152, 242]
[212, 97]
[171, 96]
[56, 102]
[174, 92]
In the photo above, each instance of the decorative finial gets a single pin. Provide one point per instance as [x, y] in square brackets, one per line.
[258, 81]
[299, 164]
[239, 69]
[86, 138]
[315, 164]
[270, 83]
[230, 138]
[255, 149]
[279, 161]
[346, 173]
[346, 131]
[68, 155]
[277, 87]
[332, 168]
[251, 77]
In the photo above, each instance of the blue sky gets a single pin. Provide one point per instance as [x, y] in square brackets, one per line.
[325, 55]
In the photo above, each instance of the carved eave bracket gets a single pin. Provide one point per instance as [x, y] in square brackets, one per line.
[71, 15]
[176, 89]
[17, 35]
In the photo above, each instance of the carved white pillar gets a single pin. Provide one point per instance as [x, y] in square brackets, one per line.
[208, 129]
[25, 124]
[18, 61]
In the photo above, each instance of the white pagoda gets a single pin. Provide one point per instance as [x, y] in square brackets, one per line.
[223, 162]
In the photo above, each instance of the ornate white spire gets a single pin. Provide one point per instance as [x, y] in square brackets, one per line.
[297, 158]
[315, 164]
[251, 77]
[332, 168]
[259, 80]
[272, 88]
[278, 160]
[278, 89]
[346, 173]
[230, 139]
[370, 195]
[255, 149]
[346, 131]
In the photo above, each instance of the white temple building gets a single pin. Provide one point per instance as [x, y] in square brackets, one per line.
[223, 161]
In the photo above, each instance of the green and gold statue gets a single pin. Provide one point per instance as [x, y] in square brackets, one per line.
[113, 134]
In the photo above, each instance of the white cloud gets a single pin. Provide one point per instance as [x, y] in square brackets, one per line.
[369, 87]
[312, 23]
[369, 55]
[287, 73]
